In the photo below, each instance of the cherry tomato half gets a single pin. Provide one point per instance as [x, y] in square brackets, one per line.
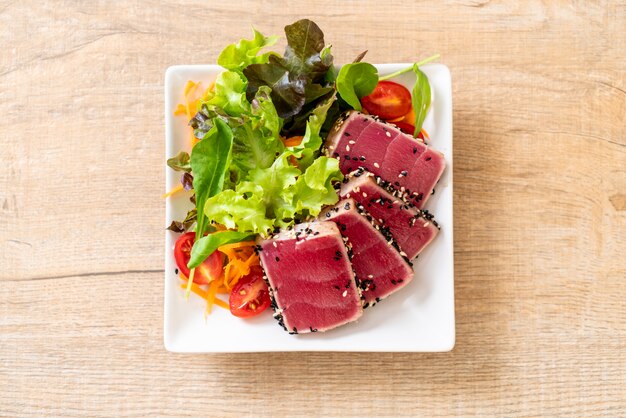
[389, 100]
[210, 269]
[250, 296]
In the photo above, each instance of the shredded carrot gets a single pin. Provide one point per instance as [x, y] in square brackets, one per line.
[210, 299]
[205, 294]
[293, 141]
[190, 105]
[173, 190]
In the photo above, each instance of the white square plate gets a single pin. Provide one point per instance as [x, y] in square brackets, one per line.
[418, 318]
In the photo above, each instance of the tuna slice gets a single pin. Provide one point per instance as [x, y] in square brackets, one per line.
[310, 277]
[412, 229]
[358, 140]
[380, 269]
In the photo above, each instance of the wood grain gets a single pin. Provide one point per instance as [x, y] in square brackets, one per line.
[540, 220]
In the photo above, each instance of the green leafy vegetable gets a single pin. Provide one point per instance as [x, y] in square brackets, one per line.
[206, 245]
[209, 162]
[306, 54]
[180, 162]
[184, 225]
[272, 185]
[303, 68]
[256, 132]
[245, 52]
[234, 210]
[314, 188]
[308, 149]
[356, 80]
[420, 99]
[230, 93]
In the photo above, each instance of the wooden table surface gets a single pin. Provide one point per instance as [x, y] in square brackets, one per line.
[540, 220]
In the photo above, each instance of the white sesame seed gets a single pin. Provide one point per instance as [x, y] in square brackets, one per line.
[351, 142]
[348, 148]
[399, 176]
[345, 293]
[347, 195]
[370, 276]
[364, 194]
[376, 165]
[274, 244]
[426, 224]
[402, 253]
[388, 134]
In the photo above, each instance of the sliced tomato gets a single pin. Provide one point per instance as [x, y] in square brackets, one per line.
[210, 269]
[250, 296]
[389, 100]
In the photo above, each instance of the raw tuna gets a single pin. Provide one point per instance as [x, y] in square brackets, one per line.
[310, 277]
[378, 265]
[413, 229]
[358, 140]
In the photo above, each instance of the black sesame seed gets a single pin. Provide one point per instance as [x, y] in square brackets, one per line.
[328, 214]
[355, 159]
[346, 134]
[277, 259]
[175, 271]
[362, 158]
[347, 157]
[346, 206]
[414, 150]
[428, 158]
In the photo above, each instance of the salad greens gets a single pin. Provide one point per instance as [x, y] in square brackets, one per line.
[245, 52]
[208, 244]
[209, 161]
[355, 81]
[420, 98]
[247, 171]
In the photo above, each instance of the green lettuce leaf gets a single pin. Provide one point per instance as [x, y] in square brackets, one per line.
[309, 148]
[230, 93]
[314, 189]
[234, 210]
[245, 52]
[272, 185]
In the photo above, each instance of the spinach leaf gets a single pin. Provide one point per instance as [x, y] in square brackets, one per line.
[356, 80]
[205, 246]
[245, 52]
[180, 162]
[420, 98]
[209, 162]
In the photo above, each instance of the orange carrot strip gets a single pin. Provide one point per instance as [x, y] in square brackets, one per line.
[293, 141]
[174, 190]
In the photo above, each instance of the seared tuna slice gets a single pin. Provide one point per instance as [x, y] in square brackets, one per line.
[379, 266]
[359, 140]
[412, 228]
[310, 277]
